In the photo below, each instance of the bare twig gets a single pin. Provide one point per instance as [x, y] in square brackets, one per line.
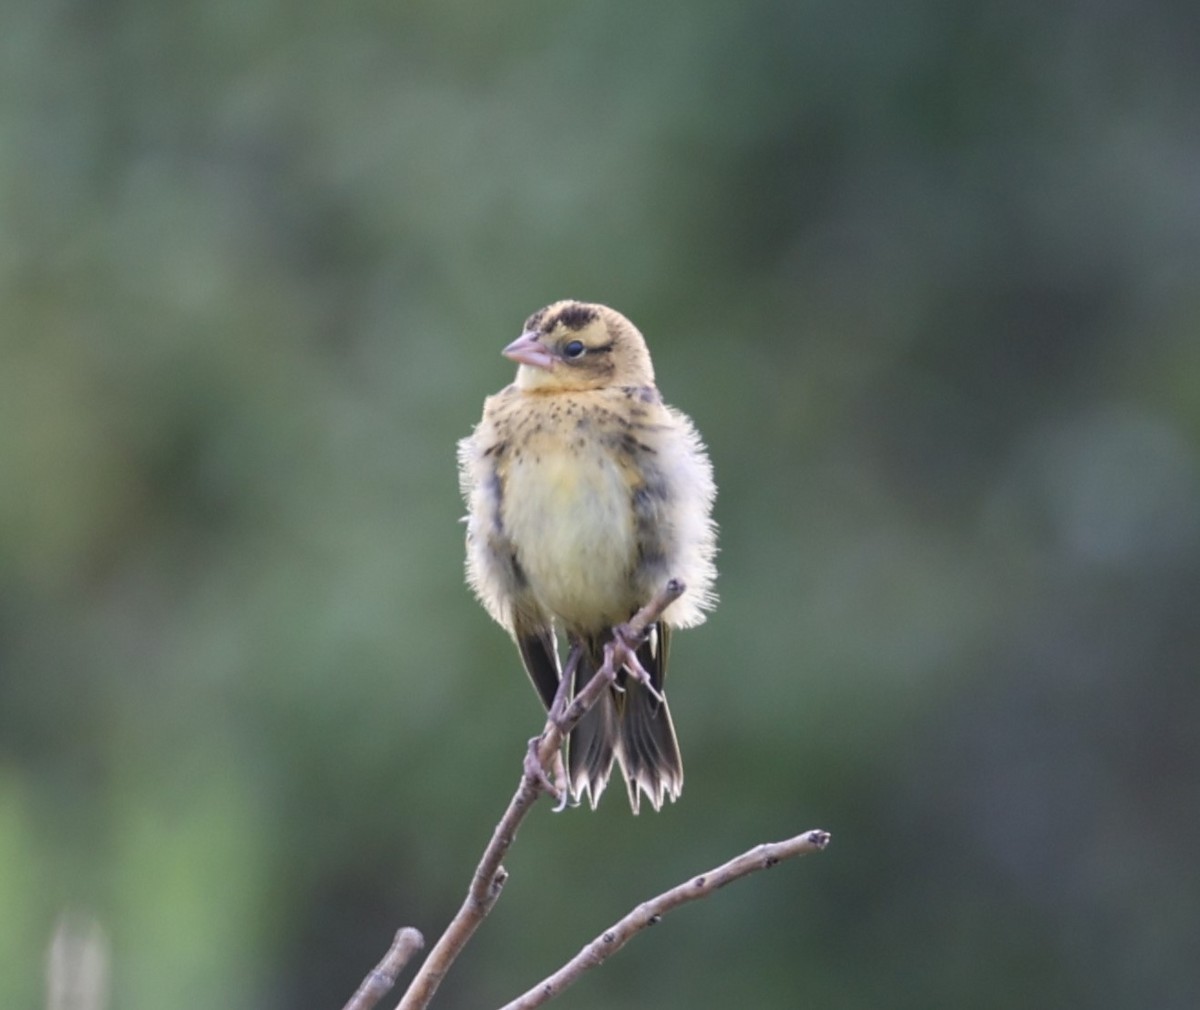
[379, 982]
[761, 857]
[490, 875]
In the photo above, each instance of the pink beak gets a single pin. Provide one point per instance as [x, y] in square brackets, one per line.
[528, 350]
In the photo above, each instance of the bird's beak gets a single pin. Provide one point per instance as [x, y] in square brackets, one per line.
[528, 350]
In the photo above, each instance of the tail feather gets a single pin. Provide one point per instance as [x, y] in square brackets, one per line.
[590, 751]
[632, 727]
[647, 749]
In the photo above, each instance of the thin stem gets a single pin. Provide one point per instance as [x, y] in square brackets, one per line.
[648, 913]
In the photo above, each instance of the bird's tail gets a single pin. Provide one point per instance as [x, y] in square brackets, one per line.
[630, 725]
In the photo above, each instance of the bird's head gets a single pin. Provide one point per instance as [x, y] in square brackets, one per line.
[576, 345]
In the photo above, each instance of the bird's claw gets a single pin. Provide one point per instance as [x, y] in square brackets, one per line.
[565, 801]
[537, 773]
[535, 770]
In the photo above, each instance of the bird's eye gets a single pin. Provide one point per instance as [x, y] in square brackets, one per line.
[574, 349]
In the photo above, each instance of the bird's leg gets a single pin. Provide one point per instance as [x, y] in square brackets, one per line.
[621, 651]
[562, 697]
[554, 780]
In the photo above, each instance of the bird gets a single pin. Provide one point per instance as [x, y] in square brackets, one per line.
[585, 494]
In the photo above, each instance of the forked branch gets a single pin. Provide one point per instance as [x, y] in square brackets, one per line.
[490, 875]
[542, 773]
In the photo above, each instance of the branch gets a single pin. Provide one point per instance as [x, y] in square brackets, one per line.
[381, 979]
[648, 913]
[490, 876]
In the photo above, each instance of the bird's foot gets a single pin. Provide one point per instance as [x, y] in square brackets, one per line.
[552, 780]
[621, 651]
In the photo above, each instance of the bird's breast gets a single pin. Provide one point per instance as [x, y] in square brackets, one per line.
[568, 513]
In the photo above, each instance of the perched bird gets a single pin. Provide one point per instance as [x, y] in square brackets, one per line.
[585, 494]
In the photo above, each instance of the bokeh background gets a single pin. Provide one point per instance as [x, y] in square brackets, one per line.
[926, 277]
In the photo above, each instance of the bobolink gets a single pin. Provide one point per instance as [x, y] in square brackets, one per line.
[586, 493]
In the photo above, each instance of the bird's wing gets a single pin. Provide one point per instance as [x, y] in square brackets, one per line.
[536, 642]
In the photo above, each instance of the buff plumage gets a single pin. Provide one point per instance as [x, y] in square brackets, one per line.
[585, 493]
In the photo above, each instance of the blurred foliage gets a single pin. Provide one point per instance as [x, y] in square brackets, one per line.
[925, 275]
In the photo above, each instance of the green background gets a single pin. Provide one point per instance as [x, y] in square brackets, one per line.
[926, 277]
